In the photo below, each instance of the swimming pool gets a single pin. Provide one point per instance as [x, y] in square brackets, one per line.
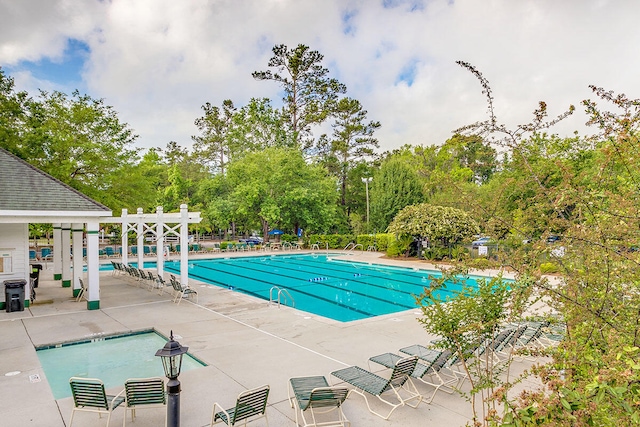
[320, 284]
[113, 359]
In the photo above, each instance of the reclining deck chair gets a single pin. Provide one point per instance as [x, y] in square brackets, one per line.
[426, 354]
[314, 395]
[366, 381]
[162, 284]
[89, 395]
[250, 403]
[144, 393]
[182, 291]
[428, 370]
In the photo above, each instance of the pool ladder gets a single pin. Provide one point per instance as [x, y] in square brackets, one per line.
[352, 246]
[281, 296]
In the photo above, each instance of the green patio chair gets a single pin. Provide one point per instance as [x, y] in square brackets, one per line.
[314, 395]
[144, 393]
[250, 406]
[399, 382]
[82, 292]
[89, 396]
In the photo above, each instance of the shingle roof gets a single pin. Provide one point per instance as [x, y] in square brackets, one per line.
[24, 187]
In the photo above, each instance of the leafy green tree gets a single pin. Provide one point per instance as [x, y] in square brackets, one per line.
[439, 224]
[277, 188]
[309, 94]
[352, 142]
[183, 176]
[212, 146]
[462, 153]
[12, 117]
[462, 321]
[257, 126]
[394, 186]
[587, 190]
[80, 141]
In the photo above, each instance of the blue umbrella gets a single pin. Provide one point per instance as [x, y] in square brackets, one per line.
[276, 232]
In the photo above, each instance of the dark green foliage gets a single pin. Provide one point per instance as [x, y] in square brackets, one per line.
[309, 94]
[394, 186]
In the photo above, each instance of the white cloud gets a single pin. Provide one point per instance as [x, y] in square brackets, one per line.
[158, 61]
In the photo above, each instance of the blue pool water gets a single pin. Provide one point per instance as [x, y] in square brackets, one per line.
[319, 284]
[111, 359]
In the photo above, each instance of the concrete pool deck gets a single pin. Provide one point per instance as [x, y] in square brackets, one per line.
[245, 341]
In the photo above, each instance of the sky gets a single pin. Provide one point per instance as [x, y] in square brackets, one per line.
[158, 61]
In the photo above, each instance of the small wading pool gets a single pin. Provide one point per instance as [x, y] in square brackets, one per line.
[112, 359]
[319, 284]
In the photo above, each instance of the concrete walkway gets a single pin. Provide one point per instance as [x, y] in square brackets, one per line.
[245, 342]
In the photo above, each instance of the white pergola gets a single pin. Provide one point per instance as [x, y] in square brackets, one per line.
[160, 225]
[68, 240]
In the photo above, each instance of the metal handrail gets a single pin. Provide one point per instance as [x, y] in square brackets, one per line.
[281, 292]
[352, 246]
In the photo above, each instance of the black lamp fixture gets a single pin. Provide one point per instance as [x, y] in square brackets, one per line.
[171, 355]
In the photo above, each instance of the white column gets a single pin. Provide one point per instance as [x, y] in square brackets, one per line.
[76, 230]
[125, 238]
[184, 245]
[93, 266]
[66, 255]
[140, 232]
[160, 241]
[57, 252]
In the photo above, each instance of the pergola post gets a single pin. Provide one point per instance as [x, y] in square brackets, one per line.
[57, 252]
[93, 266]
[124, 243]
[184, 244]
[140, 232]
[66, 255]
[160, 242]
[77, 243]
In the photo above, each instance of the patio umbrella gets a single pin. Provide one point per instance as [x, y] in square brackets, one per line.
[276, 232]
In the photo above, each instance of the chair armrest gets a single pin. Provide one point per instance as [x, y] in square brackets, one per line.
[213, 413]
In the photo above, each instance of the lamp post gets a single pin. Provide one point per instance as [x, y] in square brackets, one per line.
[171, 355]
[366, 181]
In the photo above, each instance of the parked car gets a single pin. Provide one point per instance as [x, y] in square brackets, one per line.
[482, 241]
[255, 240]
[553, 238]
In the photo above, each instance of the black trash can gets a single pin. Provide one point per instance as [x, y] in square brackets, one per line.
[14, 295]
[35, 274]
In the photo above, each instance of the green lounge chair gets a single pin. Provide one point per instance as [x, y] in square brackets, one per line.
[249, 404]
[428, 370]
[162, 284]
[368, 382]
[144, 393]
[426, 354]
[89, 395]
[182, 291]
[46, 254]
[313, 394]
